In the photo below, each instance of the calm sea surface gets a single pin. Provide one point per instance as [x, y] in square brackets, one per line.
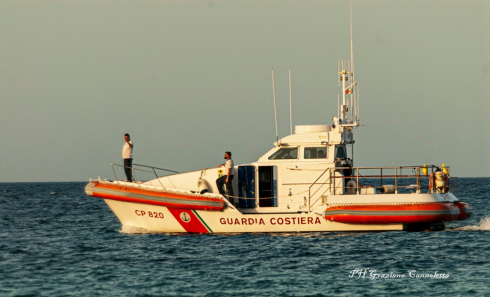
[56, 241]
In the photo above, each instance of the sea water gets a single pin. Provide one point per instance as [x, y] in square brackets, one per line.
[56, 241]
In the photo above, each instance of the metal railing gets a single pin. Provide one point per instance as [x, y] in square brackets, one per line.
[133, 171]
[380, 180]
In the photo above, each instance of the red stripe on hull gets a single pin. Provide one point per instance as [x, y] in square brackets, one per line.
[188, 220]
[389, 214]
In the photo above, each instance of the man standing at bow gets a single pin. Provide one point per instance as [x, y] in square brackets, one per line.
[127, 154]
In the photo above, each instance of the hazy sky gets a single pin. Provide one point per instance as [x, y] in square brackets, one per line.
[191, 79]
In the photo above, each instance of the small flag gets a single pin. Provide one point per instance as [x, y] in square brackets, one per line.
[348, 91]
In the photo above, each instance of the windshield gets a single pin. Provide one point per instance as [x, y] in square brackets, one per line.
[285, 153]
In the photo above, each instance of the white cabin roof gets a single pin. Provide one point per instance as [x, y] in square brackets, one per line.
[307, 135]
[317, 138]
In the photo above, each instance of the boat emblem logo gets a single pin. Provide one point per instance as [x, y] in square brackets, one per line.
[185, 217]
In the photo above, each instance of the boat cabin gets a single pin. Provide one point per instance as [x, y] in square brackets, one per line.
[291, 177]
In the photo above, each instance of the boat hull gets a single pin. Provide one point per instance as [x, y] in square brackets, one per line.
[164, 219]
[175, 211]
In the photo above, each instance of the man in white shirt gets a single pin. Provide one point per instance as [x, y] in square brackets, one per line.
[127, 154]
[227, 176]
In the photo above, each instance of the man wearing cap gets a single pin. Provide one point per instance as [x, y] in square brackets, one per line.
[127, 154]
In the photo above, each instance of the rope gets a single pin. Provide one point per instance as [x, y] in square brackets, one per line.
[247, 198]
[185, 192]
[380, 203]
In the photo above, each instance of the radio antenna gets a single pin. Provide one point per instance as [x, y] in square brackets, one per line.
[290, 106]
[351, 46]
[274, 98]
[355, 96]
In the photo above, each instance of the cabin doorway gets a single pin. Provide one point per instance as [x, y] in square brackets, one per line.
[267, 186]
[246, 186]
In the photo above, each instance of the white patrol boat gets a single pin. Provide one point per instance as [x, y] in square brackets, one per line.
[306, 183]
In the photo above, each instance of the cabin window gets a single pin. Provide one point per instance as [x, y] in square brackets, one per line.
[340, 152]
[315, 152]
[285, 153]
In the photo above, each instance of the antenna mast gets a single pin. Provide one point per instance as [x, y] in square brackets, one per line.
[354, 115]
[346, 70]
[274, 97]
[290, 106]
[351, 45]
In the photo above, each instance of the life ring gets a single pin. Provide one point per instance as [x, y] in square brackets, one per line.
[431, 182]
